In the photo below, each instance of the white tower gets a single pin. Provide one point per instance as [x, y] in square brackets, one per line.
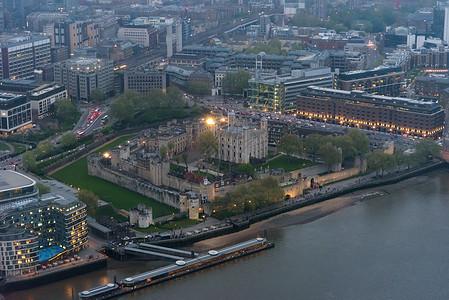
[169, 41]
[446, 25]
[178, 37]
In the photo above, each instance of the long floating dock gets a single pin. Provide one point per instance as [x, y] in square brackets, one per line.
[180, 268]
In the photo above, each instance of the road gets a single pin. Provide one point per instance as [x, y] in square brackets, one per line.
[91, 120]
[196, 39]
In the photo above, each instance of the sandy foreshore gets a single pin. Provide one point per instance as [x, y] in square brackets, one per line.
[302, 215]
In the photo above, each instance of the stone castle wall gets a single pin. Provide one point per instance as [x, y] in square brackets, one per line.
[133, 183]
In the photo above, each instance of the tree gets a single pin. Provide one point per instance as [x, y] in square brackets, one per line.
[313, 143]
[184, 158]
[207, 144]
[427, 149]
[170, 147]
[235, 82]
[401, 158]
[304, 19]
[44, 149]
[274, 46]
[68, 139]
[196, 110]
[43, 189]
[246, 169]
[380, 161]
[298, 46]
[373, 160]
[176, 97]
[66, 112]
[388, 162]
[361, 141]
[122, 108]
[177, 160]
[97, 95]
[330, 154]
[90, 199]
[258, 194]
[290, 143]
[29, 161]
[163, 152]
[346, 144]
[198, 87]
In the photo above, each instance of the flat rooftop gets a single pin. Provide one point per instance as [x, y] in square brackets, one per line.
[13, 180]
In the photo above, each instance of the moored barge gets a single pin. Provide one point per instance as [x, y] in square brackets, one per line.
[180, 268]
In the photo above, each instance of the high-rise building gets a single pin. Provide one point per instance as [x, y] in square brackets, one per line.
[75, 35]
[320, 9]
[11, 14]
[178, 37]
[186, 29]
[264, 27]
[169, 40]
[446, 25]
[83, 75]
[21, 55]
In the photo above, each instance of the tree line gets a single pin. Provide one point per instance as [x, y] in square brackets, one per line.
[257, 194]
[424, 151]
[132, 106]
[331, 149]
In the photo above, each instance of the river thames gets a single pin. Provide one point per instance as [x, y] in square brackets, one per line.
[391, 247]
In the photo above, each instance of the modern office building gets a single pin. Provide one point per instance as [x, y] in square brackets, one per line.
[142, 35]
[279, 93]
[15, 112]
[345, 61]
[144, 81]
[83, 75]
[21, 55]
[75, 34]
[12, 15]
[386, 81]
[260, 61]
[208, 51]
[43, 97]
[374, 112]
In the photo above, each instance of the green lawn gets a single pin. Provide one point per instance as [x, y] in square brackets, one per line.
[205, 174]
[18, 148]
[109, 211]
[287, 164]
[76, 175]
[169, 226]
[3, 146]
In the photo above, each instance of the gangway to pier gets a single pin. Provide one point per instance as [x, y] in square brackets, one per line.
[137, 251]
[166, 250]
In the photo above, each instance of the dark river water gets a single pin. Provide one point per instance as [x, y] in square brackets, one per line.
[391, 247]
